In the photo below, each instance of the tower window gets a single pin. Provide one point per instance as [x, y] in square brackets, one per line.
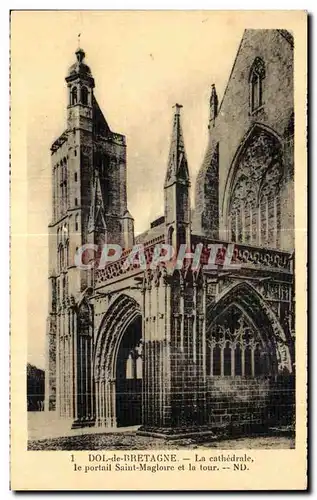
[75, 153]
[84, 96]
[170, 235]
[74, 95]
[257, 75]
[76, 222]
[75, 176]
[76, 202]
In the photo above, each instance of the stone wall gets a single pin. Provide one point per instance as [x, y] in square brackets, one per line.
[244, 404]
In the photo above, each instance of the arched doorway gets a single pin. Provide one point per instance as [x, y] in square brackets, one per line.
[118, 365]
[129, 376]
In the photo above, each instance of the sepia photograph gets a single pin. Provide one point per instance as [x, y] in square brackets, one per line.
[161, 227]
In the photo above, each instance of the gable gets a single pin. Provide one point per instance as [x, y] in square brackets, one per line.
[275, 50]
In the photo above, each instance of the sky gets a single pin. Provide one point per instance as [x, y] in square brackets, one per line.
[143, 63]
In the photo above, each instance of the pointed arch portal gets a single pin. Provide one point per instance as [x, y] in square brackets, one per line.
[118, 365]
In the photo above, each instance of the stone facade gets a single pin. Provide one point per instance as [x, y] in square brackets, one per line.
[235, 127]
[179, 351]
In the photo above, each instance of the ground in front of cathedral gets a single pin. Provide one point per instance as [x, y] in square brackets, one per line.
[40, 438]
[131, 441]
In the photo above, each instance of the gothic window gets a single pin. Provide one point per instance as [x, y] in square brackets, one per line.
[76, 202]
[257, 75]
[84, 95]
[235, 348]
[254, 206]
[74, 95]
[76, 222]
[75, 176]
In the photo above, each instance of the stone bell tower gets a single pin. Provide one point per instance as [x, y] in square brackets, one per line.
[89, 206]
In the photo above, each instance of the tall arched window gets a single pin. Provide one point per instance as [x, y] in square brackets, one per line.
[74, 95]
[257, 75]
[254, 206]
[84, 95]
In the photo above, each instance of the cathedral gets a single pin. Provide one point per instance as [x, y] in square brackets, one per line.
[188, 350]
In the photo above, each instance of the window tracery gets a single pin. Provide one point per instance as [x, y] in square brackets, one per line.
[254, 207]
[235, 348]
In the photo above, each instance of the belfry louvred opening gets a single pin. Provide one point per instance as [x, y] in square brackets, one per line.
[187, 328]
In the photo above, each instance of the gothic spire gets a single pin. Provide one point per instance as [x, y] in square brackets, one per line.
[177, 168]
[213, 106]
